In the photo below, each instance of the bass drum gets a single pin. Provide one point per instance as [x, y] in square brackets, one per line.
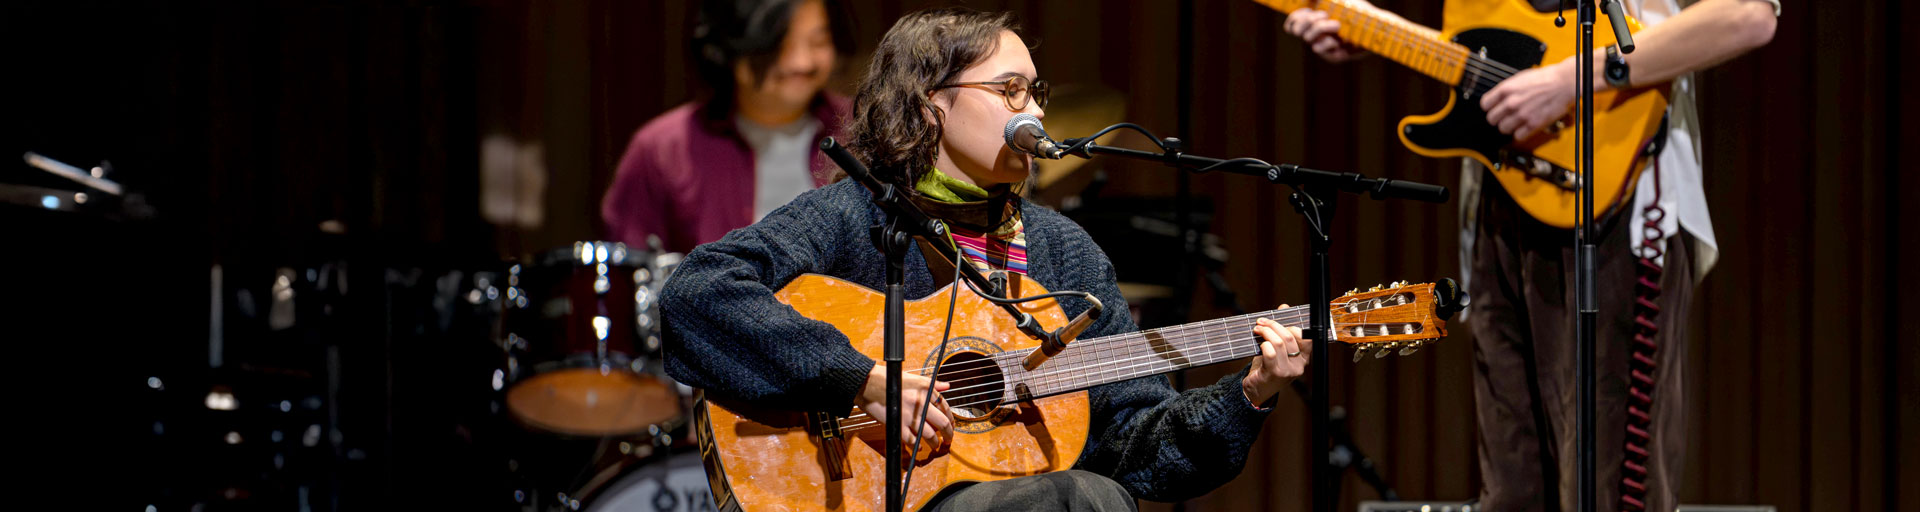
[671, 483]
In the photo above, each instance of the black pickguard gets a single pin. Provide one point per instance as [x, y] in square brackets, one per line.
[1466, 126]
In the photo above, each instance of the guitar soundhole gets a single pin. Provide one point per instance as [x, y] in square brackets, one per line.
[977, 384]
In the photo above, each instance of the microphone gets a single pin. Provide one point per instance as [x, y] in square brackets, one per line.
[1621, 34]
[1025, 135]
[1058, 340]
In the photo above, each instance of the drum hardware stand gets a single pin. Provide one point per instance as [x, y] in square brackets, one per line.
[112, 201]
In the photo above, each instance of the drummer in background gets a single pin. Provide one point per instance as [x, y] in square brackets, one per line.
[723, 162]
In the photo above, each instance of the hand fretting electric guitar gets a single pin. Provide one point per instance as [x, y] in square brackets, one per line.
[1483, 42]
[1010, 422]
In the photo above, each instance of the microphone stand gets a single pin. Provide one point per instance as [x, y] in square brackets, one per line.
[1315, 195]
[1586, 321]
[905, 222]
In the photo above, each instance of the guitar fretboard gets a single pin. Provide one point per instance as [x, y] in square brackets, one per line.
[1092, 362]
[1417, 47]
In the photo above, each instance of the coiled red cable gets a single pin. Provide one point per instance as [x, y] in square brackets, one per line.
[1633, 471]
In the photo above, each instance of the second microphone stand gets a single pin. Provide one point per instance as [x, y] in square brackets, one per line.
[1315, 195]
[1586, 256]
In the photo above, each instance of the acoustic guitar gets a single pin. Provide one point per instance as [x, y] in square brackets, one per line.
[1480, 44]
[1010, 422]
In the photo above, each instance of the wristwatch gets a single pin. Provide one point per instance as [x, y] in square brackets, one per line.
[1616, 71]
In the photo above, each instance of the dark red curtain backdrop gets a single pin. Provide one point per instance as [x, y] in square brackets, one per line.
[250, 123]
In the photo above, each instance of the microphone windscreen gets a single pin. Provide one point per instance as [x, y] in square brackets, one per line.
[1013, 125]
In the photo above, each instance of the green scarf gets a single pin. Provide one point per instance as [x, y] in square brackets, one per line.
[940, 187]
[967, 205]
[957, 202]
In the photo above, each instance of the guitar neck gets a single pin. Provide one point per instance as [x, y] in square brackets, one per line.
[1417, 47]
[1092, 362]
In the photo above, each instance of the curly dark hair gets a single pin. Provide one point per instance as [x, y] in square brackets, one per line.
[890, 131]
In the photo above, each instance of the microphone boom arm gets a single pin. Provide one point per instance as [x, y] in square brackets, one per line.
[1288, 174]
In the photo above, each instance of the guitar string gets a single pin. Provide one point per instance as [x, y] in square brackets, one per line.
[1412, 35]
[1223, 327]
[1210, 328]
[1211, 349]
[1194, 359]
[1068, 373]
[1043, 378]
[1214, 329]
[1489, 73]
[1289, 314]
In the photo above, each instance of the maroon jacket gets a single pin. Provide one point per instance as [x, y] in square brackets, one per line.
[689, 179]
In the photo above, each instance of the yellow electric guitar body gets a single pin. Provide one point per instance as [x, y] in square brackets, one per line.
[1482, 43]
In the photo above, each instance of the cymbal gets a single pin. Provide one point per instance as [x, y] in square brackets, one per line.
[1078, 110]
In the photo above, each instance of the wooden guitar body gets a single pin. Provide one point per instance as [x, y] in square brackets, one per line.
[768, 460]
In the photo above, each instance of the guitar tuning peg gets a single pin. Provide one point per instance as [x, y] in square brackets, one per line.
[1374, 289]
[1411, 347]
[1397, 284]
[1384, 349]
[1352, 291]
[1359, 352]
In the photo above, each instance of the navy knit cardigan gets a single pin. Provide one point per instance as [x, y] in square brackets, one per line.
[726, 333]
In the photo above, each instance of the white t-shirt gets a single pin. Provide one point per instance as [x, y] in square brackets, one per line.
[782, 157]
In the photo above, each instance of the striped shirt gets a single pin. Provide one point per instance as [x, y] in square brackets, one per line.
[988, 252]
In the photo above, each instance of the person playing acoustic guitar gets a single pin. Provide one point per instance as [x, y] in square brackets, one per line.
[928, 117]
[1520, 269]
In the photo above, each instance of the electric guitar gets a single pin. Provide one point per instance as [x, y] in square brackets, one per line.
[1009, 421]
[1483, 42]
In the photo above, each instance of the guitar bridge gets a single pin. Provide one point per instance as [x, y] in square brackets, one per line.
[833, 445]
[1537, 168]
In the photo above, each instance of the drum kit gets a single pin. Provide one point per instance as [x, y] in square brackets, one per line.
[599, 425]
[538, 381]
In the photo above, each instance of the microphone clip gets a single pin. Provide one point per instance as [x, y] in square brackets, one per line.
[1057, 340]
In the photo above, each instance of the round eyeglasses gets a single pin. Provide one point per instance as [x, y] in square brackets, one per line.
[1017, 91]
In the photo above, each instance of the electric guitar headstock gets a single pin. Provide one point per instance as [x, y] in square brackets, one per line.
[1396, 316]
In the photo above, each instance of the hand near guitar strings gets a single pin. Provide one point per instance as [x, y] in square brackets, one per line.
[935, 431]
[1532, 99]
[1322, 33]
[1283, 356]
[1519, 106]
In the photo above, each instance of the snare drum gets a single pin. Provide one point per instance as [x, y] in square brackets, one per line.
[582, 337]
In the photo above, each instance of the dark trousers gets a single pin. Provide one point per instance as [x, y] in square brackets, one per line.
[1522, 317]
[1071, 490]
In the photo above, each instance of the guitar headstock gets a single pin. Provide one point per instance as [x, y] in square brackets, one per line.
[1396, 316]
